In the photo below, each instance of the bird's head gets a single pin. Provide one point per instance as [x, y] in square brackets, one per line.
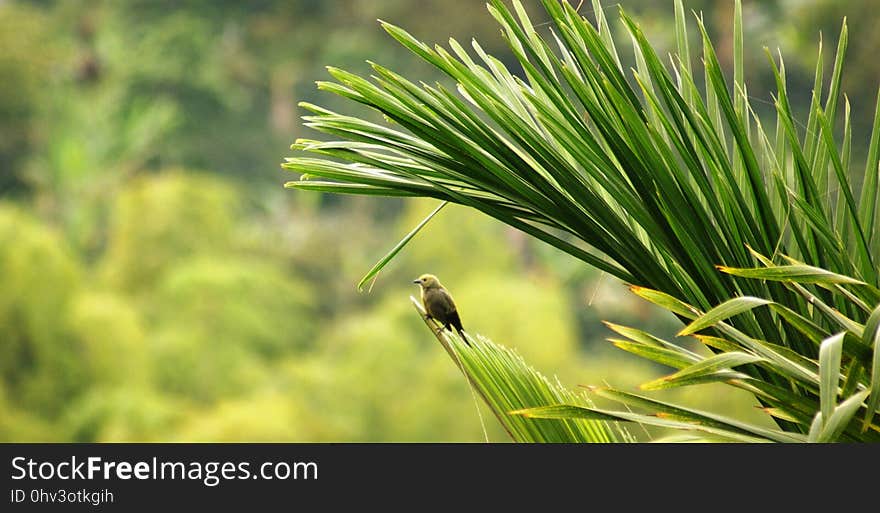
[428, 281]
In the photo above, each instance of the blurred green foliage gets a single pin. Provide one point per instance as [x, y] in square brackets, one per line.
[156, 220]
[156, 283]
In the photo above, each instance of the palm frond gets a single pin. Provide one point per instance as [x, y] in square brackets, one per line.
[506, 383]
[637, 175]
[653, 179]
[832, 397]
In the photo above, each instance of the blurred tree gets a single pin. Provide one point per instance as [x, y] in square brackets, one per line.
[22, 424]
[27, 63]
[113, 343]
[158, 220]
[40, 363]
[264, 416]
[220, 323]
[122, 414]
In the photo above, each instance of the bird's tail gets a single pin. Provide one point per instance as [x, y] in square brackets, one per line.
[462, 335]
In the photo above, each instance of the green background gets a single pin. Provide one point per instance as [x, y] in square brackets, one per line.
[157, 283]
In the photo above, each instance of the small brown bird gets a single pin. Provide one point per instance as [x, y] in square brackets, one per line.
[439, 304]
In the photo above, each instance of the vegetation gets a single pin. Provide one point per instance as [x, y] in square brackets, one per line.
[680, 193]
[158, 284]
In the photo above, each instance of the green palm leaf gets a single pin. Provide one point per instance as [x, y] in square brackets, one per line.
[660, 184]
[506, 383]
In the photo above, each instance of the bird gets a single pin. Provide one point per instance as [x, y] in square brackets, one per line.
[439, 305]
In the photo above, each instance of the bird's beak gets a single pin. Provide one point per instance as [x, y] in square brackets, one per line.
[416, 281]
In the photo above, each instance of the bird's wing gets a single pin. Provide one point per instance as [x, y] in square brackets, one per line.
[449, 303]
